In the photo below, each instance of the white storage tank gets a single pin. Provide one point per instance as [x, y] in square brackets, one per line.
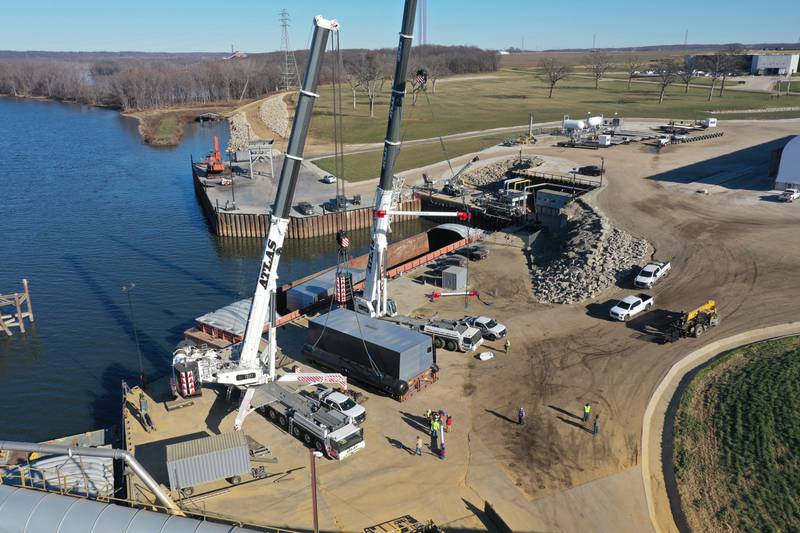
[568, 124]
[595, 122]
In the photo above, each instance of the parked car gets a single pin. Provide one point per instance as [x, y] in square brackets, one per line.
[631, 306]
[789, 195]
[450, 260]
[474, 253]
[328, 178]
[305, 208]
[651, 273]
[489, 328]
[591, 170]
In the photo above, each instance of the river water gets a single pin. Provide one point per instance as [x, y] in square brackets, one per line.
[88, 208]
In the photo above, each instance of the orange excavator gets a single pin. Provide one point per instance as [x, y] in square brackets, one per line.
[214, 163]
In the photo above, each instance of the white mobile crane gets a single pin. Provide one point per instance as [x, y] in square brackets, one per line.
[251, 371]
[374, 300]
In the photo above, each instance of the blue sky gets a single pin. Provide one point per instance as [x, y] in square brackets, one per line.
[252, 25]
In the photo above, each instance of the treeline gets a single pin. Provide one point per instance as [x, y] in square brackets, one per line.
[142, 83]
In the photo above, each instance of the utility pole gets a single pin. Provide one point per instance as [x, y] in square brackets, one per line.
[312, 456]
[127, 289]
[290, 78]
[594, 41]
[686, 38]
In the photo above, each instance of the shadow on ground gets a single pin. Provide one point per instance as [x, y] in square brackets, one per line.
[746, 169]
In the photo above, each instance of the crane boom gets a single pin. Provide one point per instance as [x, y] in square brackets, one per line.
[193, 365]
[372, 302]
[263, 304]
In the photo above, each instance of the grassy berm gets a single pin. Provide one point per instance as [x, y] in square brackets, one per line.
[737, 441]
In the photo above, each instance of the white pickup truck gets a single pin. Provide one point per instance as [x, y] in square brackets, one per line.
[339, 402]
[789, 195]
[631, 306]
[651, 273]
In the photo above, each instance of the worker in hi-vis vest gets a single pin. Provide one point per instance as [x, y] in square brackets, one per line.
[587, 410]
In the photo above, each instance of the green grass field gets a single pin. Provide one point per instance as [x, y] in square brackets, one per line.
[367, 165]
[506, 98]
[737, 441]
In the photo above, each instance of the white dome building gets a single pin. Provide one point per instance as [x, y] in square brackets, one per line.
[789, 168]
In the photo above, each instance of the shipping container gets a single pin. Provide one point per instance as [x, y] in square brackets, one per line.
[198, 461]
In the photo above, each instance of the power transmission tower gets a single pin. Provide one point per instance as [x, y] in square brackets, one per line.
[290, 78]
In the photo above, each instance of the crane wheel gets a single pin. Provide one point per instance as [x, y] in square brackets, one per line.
[296, 431]
[235, 480]
[282, 420]
[450, 345]
[307, 439]
[188, 491]
[439, 343]
[318, 446]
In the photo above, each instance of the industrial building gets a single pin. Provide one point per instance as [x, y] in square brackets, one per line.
[789, 167]
[774, 64]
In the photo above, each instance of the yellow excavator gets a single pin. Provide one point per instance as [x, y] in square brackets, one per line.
[694, 323]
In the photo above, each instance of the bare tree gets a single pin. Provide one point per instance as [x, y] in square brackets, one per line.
[355, 83]
[553, 71]
[732, 56]
[667, 73]
[633, 65]
[598, 64]
[371, 78]
[686, 73]
[436, 67]
[714, 65]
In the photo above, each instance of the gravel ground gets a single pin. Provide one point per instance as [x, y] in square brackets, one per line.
[275, 115]
[240, 132]
[596, 255]
[495, 172]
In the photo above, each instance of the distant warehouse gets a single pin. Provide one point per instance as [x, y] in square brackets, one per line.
[789, 168]
[774, 64]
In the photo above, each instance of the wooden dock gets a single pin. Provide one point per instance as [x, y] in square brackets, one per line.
[15, 317]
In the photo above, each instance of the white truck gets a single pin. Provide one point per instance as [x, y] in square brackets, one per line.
[490, 328]
[319, 426]
[651, 273]
[789, 195]
[342, 403]
[452, 335]
[631, 306]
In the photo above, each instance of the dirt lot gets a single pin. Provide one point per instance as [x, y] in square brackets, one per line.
[732, 242]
